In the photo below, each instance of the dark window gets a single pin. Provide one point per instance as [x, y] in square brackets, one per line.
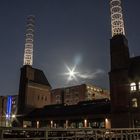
[42, 97]
[46, 98]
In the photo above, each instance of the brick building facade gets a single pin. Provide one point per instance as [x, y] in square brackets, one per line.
[124, 84]
[74, 94]
[34, 90]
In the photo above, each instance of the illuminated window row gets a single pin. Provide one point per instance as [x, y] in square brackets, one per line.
[94, 89]
[133, 86]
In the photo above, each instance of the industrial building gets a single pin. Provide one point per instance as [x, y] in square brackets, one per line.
[35, 92]
[34, 88]
[85, 105]
[124, 75]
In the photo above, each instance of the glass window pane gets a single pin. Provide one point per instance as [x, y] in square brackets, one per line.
[134, 102]
[133, 86]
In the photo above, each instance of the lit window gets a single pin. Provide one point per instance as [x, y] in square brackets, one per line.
[58, 101]
[134, 102]
[133, 86]
[58, 97]
[98, 90]
[13, 102]
[68, 95]
[139, 85]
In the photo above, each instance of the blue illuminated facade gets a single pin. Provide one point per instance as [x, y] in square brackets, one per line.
[9, 107]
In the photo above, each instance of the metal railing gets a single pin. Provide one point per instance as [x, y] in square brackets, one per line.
[68, 134]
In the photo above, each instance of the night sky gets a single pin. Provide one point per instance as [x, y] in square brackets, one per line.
[67, 32]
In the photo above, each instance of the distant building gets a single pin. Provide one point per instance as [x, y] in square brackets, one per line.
[8, 109]
[73, 107]
[74, 94]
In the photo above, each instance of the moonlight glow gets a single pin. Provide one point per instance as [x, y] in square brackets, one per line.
[71, 73]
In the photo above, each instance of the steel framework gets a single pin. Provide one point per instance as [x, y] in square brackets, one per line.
[117, 21]
[28, 52]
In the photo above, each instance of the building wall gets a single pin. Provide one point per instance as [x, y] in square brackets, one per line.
[34, 90]
[2, 110]
[119, 88]
[94, 92]
[73, 95]
[124, 85]
[119, 81]
[56, 96]
[93, 114]
[37, 95]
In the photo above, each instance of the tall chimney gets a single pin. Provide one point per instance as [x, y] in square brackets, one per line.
[117, 22]
[29, 39]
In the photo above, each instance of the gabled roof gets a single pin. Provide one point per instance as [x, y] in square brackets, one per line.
[39, 77]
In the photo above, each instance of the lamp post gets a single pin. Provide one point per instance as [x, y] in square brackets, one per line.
[9, 119]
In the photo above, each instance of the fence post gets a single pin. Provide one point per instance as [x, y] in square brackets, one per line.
[46, 134]
[96, 137]
[1, 134]
[121, 134]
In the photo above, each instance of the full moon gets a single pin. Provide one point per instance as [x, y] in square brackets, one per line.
[71, 73]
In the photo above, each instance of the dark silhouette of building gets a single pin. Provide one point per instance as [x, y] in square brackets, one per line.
[119, 84]
[124, 74]
[124, 84]
[92, 114]
[34, 90]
